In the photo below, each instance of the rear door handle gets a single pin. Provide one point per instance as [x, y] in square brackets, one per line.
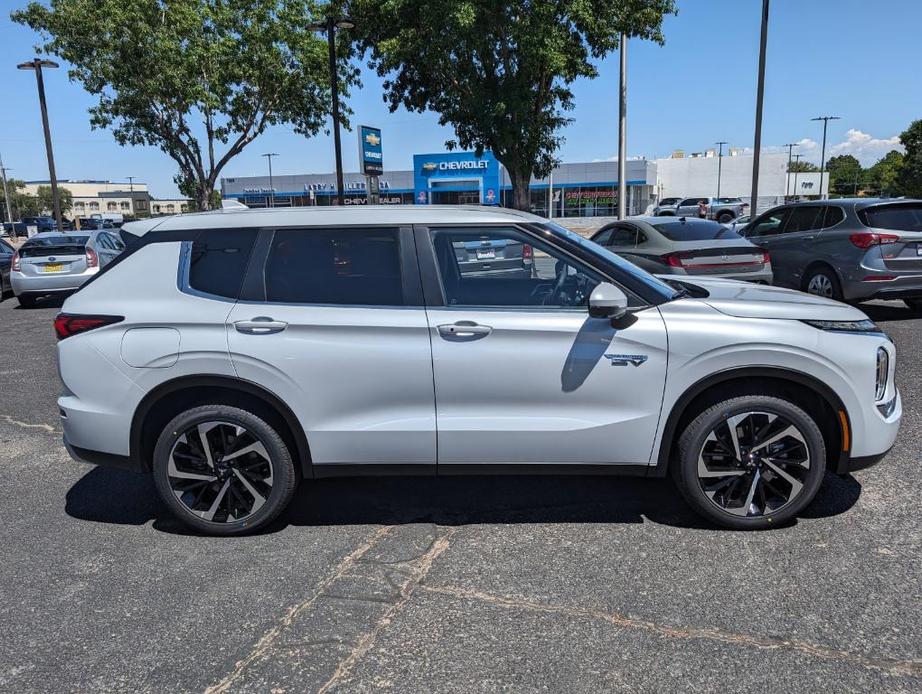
[464, 330]
[261, 325]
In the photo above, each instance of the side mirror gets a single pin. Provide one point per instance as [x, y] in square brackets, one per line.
[607, 301]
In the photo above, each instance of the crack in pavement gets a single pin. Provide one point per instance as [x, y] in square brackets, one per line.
[26, 425]
[911, 668]
[270, 637]
[418, 570]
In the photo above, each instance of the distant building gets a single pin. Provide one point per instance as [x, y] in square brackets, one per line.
[110, 197]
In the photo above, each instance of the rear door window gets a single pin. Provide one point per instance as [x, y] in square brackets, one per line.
[904, 217]
[218, 260]
[358, 267]
[832, 215]
[623, 237]
[804, 218]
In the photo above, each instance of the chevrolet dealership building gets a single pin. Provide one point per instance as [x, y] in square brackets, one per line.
[572, 190]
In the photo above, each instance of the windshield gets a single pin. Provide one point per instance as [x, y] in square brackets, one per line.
[683, 229]
[640, 275]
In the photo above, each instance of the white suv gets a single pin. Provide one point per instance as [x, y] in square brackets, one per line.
[232, 354]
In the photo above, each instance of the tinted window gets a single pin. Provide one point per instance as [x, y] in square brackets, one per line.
[832, 216]
[489, 268]
[623, 237]
[62, 240]
[729, 201]
[688, 202]
[683, 229]
[769, 223]
[669, 201]
[602, 237]
[335, 266]
[893, 217]
[5, 249]
[218, 260]
[805, 218]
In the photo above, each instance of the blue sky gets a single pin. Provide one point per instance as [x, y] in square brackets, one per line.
[850, 58]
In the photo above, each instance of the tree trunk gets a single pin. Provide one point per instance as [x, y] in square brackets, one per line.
[521, 200]
[202, 197]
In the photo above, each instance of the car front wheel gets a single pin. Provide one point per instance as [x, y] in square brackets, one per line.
[750, 462]
[223, 470]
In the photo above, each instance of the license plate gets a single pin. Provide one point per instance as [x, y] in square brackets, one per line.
[53, 267]
[486, 254]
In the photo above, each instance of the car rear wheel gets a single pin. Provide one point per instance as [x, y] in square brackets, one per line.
[822, 281]
[725, 217]
[223, 470]
[750, 462]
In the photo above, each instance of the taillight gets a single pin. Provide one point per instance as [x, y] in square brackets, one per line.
[17, 263]
[766, 258]
[68, 324]
[92, 260]
[866, 239]
[673, 260]
[528, 253]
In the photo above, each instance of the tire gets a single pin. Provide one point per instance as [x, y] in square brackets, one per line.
[725, 217]
[914, 305]
[706, 450]
[223, 498]
[26, 301]
[822, 281]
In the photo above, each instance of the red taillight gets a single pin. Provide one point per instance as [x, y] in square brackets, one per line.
[673, 259]
[92, 260]
[17, 263]
[68, 324]
[528, 253]
[766, 258]
[866, 239]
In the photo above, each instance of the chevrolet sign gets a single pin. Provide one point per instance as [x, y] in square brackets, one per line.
[370, 153]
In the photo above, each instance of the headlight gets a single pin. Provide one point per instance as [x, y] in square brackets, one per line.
[845, 326]
[883, 373]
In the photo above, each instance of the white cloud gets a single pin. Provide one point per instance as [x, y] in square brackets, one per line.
[866, 148]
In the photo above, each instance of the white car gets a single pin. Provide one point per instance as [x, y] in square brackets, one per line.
[235, 353]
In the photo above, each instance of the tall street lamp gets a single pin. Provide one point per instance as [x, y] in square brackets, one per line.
[330, 26]
[6, 196]
[825, 120]
[796, 170]
[720, 158]
[760, 93]
[37, 64]
[269, 155]
[787, 185]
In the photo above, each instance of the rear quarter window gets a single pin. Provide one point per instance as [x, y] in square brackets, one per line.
[218, 260]
[904, 217]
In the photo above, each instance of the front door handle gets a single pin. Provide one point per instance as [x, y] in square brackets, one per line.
[464, 330]
[261, 325]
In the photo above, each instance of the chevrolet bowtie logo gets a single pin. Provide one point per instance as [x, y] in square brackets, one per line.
[429, 166]
[372, 139]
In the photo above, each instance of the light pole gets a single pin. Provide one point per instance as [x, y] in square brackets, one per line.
[130, 183]
[720, 158]
[787, 184]
[796, 170]
[37, 64]
[825, 120]
[760, 93]
[6, 196]
[330, 25]
[269, 155]
[622, 131]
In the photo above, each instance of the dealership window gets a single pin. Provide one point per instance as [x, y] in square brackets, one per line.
[125, 205]
[94, 205]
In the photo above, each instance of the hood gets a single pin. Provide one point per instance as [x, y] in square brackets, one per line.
[747, 300]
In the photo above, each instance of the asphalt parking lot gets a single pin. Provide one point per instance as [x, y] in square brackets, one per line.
[462, 584]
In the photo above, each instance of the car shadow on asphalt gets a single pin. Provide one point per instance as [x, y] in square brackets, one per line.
[123, 498]
[43, 302]
[888, 311]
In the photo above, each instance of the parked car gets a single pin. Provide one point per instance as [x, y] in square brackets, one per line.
[477, 256]
[42, 224]
[6, 261]
[14, 230]
[845, 249]
[55, 262]
[721, 209]
[685, 246]
[90, 223]
[233, 353]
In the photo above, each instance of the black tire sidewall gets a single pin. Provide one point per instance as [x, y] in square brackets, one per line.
[284, 478]
[725, 217]
[833, 279]
[685, 469]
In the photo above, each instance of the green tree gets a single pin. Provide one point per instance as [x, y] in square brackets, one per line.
[803, 167]
[46, 204]
[17, 198]
[909, 180]
[845, 174]
[883, 177]
[193, 76]
[499, 73]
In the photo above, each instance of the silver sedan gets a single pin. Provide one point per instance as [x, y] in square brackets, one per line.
[57, 262]
[686, 246]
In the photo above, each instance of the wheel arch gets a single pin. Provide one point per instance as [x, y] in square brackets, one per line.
[834, 421]
[814, 264]
[190, 391]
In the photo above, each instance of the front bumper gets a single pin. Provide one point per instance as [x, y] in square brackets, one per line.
[879, 435]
